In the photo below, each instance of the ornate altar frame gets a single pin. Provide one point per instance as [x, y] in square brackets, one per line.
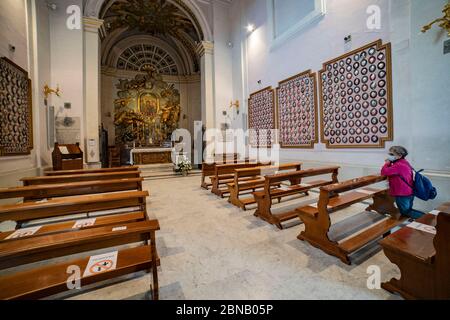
[314, 126]
[18, 87]
[388, 109]
[251, 121]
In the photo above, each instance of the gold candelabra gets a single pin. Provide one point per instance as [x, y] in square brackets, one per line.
[235, 104]
[443, 22]
[48, 91]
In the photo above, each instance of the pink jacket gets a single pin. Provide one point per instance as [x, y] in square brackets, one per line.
[397, 187]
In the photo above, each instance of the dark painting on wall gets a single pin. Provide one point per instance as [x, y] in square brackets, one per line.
[297, 111]
[356, 98]
[16, 110]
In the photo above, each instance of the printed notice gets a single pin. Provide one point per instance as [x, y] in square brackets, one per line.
[84, 223]
[101, 263]
[422, 227]
[119, 228]
[25, 232]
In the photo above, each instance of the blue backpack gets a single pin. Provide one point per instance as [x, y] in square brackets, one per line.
[423, 188]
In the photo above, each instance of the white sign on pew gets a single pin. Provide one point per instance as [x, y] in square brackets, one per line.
[84, 223]
[422, 227]
[25, 232]
[435, 212]
[101, 263]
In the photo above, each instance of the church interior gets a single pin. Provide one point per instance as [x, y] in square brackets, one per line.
[224, 150]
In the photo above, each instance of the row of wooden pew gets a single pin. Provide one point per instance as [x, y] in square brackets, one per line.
[69, 215]
[263, 184]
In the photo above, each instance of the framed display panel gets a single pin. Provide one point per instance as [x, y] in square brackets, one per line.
[16, 121]
[297, 111]
[261, 118]
[355, 93]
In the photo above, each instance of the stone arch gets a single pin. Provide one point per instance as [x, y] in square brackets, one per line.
[92, 8]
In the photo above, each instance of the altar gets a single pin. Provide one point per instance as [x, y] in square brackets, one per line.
[140, 156]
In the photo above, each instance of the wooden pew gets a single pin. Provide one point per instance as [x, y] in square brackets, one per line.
[224, 174]
[253, 179]
[317, 220]
[28, 181]
[422, 257]
[60, 207]
[38, 192]
[86, 171]
[265, 197]
[208, 169]
[50, 279]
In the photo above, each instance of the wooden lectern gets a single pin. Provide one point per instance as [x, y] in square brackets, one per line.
[67, 157]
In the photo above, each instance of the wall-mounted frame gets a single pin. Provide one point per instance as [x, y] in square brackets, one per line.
[297, 111]
[261, 118]
[355, 92]
[16, 116]
[277, 39]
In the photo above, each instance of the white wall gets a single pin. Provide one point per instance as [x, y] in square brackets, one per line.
[66, 53]
[13, 30]
[421, 77]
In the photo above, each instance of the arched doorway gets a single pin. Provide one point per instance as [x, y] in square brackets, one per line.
[170, 38]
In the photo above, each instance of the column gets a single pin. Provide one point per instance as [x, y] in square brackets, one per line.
[92, 108]
[205, 50]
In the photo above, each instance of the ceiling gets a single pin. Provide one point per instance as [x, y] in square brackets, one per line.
[170, 21]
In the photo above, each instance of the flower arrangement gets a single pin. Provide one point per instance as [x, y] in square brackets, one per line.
[183, 165]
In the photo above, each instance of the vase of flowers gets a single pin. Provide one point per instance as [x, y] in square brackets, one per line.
[183, 166]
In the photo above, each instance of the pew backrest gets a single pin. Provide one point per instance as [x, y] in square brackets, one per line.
[298, 175]
[80, 177]
[37, 192]
[87, 171]
[264, 171]
[73, 205]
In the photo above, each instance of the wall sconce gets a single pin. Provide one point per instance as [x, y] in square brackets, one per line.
[250, 28]
[48, 91]
[444, 22]
[236, 105]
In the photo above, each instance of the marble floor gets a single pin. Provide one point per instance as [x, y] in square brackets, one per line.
[212, 250]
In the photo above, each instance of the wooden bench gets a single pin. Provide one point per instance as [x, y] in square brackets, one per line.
[86, 204]
[422, 257]
[265, 197]
[224, 174]
[42, 191]
[87, 171]
[253, 179]
[28, 181]
[336, 197]
[208, 169]
[43, 281]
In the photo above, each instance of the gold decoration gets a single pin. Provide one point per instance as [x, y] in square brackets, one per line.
[235, 104]
[444, 22]
[147, 111]
[48, 91]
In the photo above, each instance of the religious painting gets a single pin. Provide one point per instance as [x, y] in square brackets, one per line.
[261, 118]
[147, 110]
[16, 122]
[297, 111]
[149, 105]
[356, 98]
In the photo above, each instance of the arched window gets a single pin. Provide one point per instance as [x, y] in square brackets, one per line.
[135, 58]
